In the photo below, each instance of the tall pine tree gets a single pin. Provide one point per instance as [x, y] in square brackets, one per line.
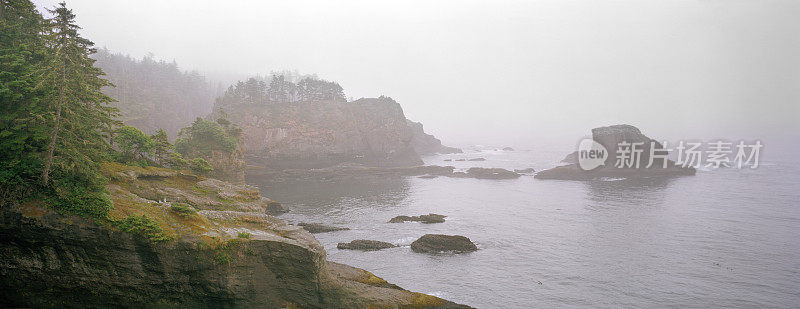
[23, 129]
[81, 115]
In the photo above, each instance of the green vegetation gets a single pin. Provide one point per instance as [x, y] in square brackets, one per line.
[283, 88]
[55, 122]
[133, 145]
[244, 235]
[204, 137]
[200, 166]
[145, 227]
[183, 210]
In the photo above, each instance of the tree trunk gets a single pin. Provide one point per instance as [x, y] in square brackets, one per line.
[54, 135]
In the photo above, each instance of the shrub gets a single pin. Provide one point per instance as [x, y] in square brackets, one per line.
[245, 235]
[80, 194]
[203, 137]
[143, 226]
[200, 166]
[133, 144]
[183, 210]
[177, 161]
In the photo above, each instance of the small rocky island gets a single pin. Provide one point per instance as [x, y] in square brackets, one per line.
[609, 137]
[437, 243]
[364, 245]
[429, 218]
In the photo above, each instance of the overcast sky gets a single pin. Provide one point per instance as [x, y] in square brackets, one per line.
[501, 72]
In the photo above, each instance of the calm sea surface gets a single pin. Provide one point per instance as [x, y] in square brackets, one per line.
[723, 238]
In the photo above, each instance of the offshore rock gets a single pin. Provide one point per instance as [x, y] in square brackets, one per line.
[435, 243]
[610, 137]
[429, 218]
[315, 228]
[364, 245]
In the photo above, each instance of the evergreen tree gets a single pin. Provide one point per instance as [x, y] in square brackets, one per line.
[278, 89]
[160, 147]
[80, 115]
[133, 145]
[23, 131]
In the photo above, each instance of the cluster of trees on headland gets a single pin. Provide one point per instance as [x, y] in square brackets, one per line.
[197, 141]
[281, 89]
[57, 126]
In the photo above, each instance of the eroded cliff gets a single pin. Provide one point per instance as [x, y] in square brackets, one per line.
[297, 135]
[178, 240]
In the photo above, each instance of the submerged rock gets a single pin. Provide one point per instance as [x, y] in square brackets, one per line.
[434, 243]
[429, 218]
[508, 149]
[491, 173]
[477, 159]
[524, 170]
[364, 245]
[315, 228]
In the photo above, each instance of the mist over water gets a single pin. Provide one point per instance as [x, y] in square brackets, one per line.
[723, 238]
[534, 75]
[500, 72]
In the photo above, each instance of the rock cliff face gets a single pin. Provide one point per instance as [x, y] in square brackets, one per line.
[425, 144]
[225, 252]
[301, 135]
[610, 137]
[229, 166]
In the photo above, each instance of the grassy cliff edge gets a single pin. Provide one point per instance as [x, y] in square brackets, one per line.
[177, 239]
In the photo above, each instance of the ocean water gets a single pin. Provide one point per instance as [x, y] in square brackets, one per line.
[722, 238]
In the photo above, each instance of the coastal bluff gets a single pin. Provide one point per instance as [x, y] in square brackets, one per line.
[177, 240]
[318, 134]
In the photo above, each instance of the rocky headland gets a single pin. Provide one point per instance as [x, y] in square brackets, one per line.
[318, 134]
[426, 144]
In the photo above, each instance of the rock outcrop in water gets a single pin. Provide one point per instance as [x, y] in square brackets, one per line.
[429, 218]
[435, 243]
[210, 245]
[364, 245]
[315, 228]
[610, 137]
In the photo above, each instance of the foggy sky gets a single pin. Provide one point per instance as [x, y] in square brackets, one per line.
[501, 72]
